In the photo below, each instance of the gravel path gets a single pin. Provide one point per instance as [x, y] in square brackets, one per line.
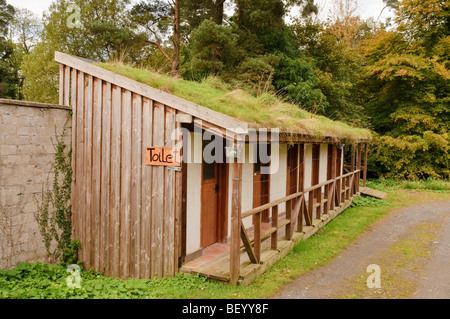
[431, 275]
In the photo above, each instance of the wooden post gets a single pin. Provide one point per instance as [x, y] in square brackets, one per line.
[333, 176]
[352, 169]
[365, 164]
[257, 235]
[235, 218]
[288, 229]
[274, 236]
[358, 166]
[310, 207]
[301, 213]
[61, 84]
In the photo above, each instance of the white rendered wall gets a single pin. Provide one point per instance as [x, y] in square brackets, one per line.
[193, 195]
[308, 165]
[323, 163]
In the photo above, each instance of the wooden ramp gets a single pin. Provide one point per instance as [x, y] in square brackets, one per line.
[218, 268]
[367, 191]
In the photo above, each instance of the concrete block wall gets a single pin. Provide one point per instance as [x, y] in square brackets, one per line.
[27, 134]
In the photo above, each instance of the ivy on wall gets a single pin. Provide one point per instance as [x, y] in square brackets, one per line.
[54, 213]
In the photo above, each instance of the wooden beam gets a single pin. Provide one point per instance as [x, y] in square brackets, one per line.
[184, 118]
[365, 164]
[61, 84]
[289, 228]
[352, 169]
[373, 192]
[358, 167]
[332, 190]
[257, 235]
[302, 138]
[307, 215]
[248, 246]
[235, 220]
[274, 236]
[352, 158]
[295, 214]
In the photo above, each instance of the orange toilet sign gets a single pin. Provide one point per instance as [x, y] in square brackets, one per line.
[163, 156]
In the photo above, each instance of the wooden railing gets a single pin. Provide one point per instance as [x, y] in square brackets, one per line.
[335, 191]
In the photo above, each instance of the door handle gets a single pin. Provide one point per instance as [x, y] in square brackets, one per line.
[217, 188]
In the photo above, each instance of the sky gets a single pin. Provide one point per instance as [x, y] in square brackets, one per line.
[365, 8]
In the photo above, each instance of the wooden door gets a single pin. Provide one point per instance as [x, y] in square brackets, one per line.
[257, 187]
[209, 218]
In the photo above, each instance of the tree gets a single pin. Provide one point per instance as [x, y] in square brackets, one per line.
[8, 72]
[25, 33]
[160, 19]
[105, 33]
[407, 85]
[26, 29]
[296, 80]
[212, 49]
[336, 61]
[41, 74]
[195, 11]
[426, 21]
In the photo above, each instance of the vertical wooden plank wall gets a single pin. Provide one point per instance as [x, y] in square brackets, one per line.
[105, 188]
[125, 213]
[157, 194]
[146, 185]
[136, 173]
[96, 170]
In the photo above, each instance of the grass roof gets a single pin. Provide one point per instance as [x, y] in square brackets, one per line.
[266, 110]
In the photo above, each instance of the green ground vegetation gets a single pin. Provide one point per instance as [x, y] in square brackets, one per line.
[40, 280]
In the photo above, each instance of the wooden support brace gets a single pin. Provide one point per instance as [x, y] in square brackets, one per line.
[248, 245]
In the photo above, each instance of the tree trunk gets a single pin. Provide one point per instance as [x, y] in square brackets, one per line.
[218, 19]
[176, 41]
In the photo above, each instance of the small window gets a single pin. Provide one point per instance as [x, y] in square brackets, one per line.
[208, 168]
[208, 171]
[257, 166]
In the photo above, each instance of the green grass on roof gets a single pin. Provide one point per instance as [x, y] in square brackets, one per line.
[265, 110]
